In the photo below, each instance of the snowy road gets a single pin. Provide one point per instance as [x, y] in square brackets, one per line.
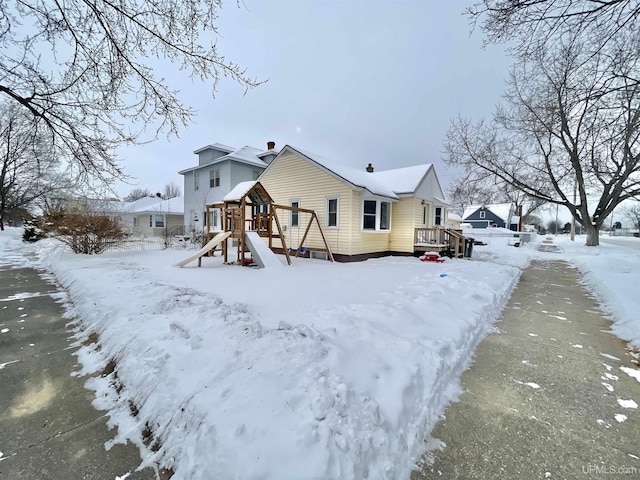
[629, 242]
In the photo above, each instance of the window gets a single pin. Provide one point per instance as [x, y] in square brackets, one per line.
[376, 215]
[385, 215]
[214, 178]
[256, 174]
[482, 213]
[196, 180]
[159, 221]
[294, 220]
[204, 219]
[425, 215]
[369, 215]
[438, 217]
[214, 218]
[332, 212]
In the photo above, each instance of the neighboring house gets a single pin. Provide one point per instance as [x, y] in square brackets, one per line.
[363, 213]
[453, 221]
[147, 216]
[501, 215]
[219, 169]
[156, 219]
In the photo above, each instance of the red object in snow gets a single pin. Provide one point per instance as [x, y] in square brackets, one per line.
[431, 257]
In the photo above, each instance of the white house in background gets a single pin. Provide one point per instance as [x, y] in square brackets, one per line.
[154, 219]
[219, 169]
[147, 216]
[503, 215]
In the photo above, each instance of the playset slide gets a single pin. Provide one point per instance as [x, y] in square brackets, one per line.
[262, 255]
[219, 238]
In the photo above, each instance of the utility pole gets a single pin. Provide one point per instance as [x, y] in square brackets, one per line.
[573, 219]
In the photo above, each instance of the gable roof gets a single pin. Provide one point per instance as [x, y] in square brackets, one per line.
[386, 183]
[171, 205]
[403, 180]
[356, 178]
[252, 189]
[502, 210]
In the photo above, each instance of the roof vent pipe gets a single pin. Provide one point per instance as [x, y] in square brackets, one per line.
[370, 168]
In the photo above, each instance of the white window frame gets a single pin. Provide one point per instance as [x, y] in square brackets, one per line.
[378, 214]
[293, 214]
[214, 218]
[328, 216]
[425, 215]
[438, 221]
[482, 214]
[153, 220]
[214, 178]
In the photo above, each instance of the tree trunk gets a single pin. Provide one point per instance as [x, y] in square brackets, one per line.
[593, 234]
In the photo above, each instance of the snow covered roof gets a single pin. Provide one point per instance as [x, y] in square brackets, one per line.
[247, 154]
[387, 183]
[502, 210]
[454, 216]
[141, 203]
[403, 180]
[216, 146]
[239, 191]
[172, 205]
[357, 178]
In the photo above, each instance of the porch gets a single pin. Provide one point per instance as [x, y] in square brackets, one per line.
[445, 241]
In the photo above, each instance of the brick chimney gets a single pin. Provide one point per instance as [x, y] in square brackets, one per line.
[271, 145]
[370, 168]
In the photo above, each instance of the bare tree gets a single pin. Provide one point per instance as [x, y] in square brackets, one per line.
[28, 170]
[477, 186]
[171, 190]
[530, 23]
[570, 123]
[137, 194]
[86, 74]
[632, 213]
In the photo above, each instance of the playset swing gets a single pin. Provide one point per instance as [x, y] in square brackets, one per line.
[248, 212]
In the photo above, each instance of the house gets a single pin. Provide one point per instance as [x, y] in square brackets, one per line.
[220, 168]
[503, 215]
[147, 216]
[453, 221]
[155, 219]
[363, 213]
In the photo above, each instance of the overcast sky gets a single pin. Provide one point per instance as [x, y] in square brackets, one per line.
[357, 81]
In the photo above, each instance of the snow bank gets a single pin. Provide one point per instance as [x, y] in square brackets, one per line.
[313, 371]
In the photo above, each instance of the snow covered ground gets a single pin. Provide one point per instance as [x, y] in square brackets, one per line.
[314, 371]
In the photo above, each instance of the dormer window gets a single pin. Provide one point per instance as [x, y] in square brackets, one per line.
[482, 214]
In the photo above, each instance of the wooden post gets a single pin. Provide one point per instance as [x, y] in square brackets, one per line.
[284, 245]
[241, 251]
[322, 235]
[306, 232]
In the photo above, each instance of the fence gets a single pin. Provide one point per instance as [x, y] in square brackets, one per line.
[134, 244]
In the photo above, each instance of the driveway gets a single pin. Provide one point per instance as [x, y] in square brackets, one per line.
[548, 396]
